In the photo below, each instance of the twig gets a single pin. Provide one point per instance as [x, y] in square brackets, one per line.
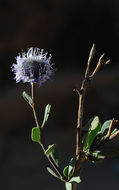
[33, 107]
[100, 62]
[81, 93]
[113, 122]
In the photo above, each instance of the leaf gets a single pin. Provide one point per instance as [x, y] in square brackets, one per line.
[94, 123]
[71, 166]
[35, 135]
[92, 135]
[114, 131]
[27, 98]
[96, 157]
[88, 125]
[52, 172]
[65, 171]
[46, 115]
[55, 155]
[50, 149]
[105, 127]
[76, 179]
[68, 186]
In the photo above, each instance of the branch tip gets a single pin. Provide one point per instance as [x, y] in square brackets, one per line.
[92, 53]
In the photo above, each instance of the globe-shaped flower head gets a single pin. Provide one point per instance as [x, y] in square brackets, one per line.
[33, 66]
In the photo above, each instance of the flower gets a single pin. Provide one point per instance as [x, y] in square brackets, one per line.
[33, 67]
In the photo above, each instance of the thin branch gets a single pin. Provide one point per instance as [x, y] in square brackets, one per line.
[100, 62]
[63, 178]
[33, 107]
[112, 124]
[81, 93]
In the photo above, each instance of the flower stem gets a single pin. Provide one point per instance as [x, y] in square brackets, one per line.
[74, 186]
[62, 177]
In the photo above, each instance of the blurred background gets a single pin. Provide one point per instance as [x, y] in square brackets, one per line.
[66, 29]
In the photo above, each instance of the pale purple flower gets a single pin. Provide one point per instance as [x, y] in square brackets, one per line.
[33, 66]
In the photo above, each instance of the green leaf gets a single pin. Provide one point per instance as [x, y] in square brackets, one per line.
[68, 186]
[105, 127]
[92, 135]
[55, 155]
[76, 179]
[50, 149]
[71, 166]
[114, 131]
[46, 115]
[65, 171]
[52, 172]
[88, 125]
[27, 98]
[96, 156]
[35, 135]
[94, 123]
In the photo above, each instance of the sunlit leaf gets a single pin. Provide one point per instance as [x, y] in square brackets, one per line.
[35, 135]
[76, 179]
[105, 127]
[52, 172]
[94, 123]
[46, 115]
[71, 166]
[27, 98]
[65, 171]
[114, 131]
[91, 136]
[88, 125]
[50, 149]
[55, 155]
[97, 156]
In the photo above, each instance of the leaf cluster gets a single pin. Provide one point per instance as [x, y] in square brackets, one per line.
[95, 136]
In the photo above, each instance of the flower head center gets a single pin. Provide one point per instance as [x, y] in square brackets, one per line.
[34, 69]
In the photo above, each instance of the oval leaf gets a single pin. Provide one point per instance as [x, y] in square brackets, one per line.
[114, 131]
[50, 149]
[55, 155]
[105, 127]
[91, 136]
[65, 171]
[52, 172]
[27, 98]
[88, 125]
[35, 135]
[94, 123]
[46, 115]
[71, 166]
[76, 179]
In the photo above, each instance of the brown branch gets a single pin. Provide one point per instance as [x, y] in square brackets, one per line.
[81, 93]
[114, 135]
[100, 62]
[112, 124]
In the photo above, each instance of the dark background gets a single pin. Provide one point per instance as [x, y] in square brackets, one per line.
[66, 29]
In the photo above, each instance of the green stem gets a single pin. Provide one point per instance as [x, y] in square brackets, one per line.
[42, 145]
